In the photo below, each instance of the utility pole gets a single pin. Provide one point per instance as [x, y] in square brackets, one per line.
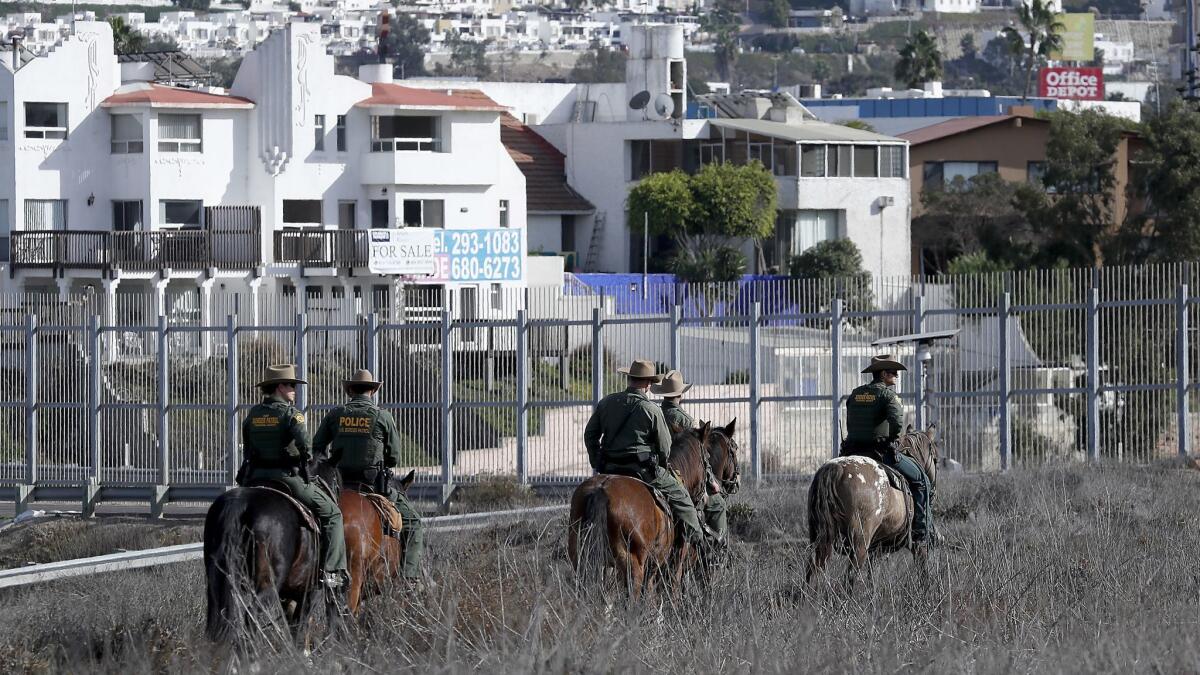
[645, 254]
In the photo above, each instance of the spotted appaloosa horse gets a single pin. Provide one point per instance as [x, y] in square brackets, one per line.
[853, 508]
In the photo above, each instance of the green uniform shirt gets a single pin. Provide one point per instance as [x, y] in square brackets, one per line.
[624, 424]
[359, 436]
[873, 414]
[274, 435]
[676, 416]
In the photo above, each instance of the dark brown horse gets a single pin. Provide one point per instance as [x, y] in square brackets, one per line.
[854, 510]
[723, 456]
[615, 521]
[373, 557]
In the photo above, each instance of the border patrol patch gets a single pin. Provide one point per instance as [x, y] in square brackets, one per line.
[864, 398]
[299, 418]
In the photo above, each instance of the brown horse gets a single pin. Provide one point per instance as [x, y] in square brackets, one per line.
[372, 557]
[615, 521]
[723, 456]
[853, 509]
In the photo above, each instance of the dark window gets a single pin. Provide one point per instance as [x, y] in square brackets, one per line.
[45, 120]
[341, 133]
[379, 213]
[127, 215]
[181, 213]
[812, 161]
[503, 213]
[319, 133]
[301, 211]
[423, 213]
[403, 132]
[347, 215]
[568, 233]
[865, 162]
[639, 159]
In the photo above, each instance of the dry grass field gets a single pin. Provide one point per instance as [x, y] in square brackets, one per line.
[1065, 570]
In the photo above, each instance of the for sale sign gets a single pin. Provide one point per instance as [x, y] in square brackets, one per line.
[1083, 84]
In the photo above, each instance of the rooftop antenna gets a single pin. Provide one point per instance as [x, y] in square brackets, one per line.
[639, 102]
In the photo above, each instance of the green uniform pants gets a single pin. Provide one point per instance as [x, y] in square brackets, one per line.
[682, 507]
[413, 533]
[715, 514]
[329, 516]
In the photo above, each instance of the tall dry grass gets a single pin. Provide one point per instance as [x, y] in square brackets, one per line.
[1063, 570]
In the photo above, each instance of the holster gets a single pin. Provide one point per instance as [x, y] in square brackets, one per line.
[383, 479]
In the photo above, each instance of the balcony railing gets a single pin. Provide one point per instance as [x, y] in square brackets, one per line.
[321, 248]
[136, 250]
[403, 144]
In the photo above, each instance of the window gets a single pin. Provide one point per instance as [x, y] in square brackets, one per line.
[180, 212]
[423, 213]
[891, 161]
[127, 215]
[347, 215]
[45, 214]
[941, 174]
[3, 120]
[45, 120]
[839, 160]
[391, 133]
[760, 151]
[813, 227]
[639, 159]
[379, 214]
[319, 133]
[341, 133]
[503, 213]
[302, 211]
[712, 153]
[784, 163]
[126, 135]
[179, 133]
[812, 161]
[1035, 172]
[497, 297]
[5, 231]
[866, 163]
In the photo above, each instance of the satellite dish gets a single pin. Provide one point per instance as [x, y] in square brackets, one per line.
[664, 106]
[639, 100]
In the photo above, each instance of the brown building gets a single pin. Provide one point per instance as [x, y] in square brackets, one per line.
[1014, 146]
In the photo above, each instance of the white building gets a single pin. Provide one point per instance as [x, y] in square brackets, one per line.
[833, 181]
[113, 183]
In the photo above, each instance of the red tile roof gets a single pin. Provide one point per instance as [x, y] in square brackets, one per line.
[162, 96]
[389, 95]
[546, 188]
[961, 125]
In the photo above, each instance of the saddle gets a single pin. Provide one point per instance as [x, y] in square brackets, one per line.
[899, 482]
[388, 515]
[660, 500]
[306, 517]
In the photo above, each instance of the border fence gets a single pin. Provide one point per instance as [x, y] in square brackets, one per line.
[1050, 365]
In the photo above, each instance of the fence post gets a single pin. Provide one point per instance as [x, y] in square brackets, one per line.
[755, 364]
[1005, 365]
[835, 373]
[371, 343]
[1093, 373]
[231, 400]
[93, 407]
[31, 411]
[918, 364]
[522, 401]
[597, 358]
[676, 318]
[447, 427]
[302, 360]
[164, 441]
[1182, 370]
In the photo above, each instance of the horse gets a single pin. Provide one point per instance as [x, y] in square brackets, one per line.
[723, 456]
[256, 543]
[372, 557]
[615, 521]
[853, 509]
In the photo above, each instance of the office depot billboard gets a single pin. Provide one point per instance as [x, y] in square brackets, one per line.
[1083, 84]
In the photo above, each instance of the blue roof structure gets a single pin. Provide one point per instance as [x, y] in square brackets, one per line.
[950, 106]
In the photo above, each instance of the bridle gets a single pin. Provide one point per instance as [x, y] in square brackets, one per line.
[730, 485]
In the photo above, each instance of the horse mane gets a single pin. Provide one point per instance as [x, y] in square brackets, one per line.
[920, 447]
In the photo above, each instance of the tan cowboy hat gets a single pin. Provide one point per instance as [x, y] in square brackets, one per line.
[362, 376]
[641, 369]
[884, 362]
[672, 385]
[281, 373]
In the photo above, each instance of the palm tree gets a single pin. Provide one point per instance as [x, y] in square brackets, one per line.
[126, 38]
[1041, 24]
[920, 60]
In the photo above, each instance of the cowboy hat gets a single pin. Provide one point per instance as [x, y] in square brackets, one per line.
[362, 376]
[672, 385]
[281, 373]
[641, 369]
[884, 362]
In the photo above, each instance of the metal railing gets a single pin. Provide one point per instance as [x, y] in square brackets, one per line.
[321, 248]
[1058, 365]
[406, 144]
[136, 250]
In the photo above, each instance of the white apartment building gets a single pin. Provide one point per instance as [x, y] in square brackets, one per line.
[833, 182]
[113, 183]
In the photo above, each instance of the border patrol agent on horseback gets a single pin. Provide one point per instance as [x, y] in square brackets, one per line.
[874, 420]
[628, 435]
[277, 455]
[364, 444]
[672, 390]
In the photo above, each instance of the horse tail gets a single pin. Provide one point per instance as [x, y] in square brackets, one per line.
[589, 533]
[228, 551]
[826, 517]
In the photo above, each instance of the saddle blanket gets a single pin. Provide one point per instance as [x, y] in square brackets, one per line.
[310, 522]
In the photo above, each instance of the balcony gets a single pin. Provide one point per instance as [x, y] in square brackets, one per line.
[417, 161]
[185, 249]
[321, 248]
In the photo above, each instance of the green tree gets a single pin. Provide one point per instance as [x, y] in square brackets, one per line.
[967, 45]
[199, 5]
[467, 57]
[836, 266]
[126, 38]
[599, 64]
[920, 60]
[1169, 181]
[1039, 22]
[861, 125]
[224, 70]
[407, 42]
[161, 43]
[666, 199]
[723, 23]
[969, 217]
[777, 13]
